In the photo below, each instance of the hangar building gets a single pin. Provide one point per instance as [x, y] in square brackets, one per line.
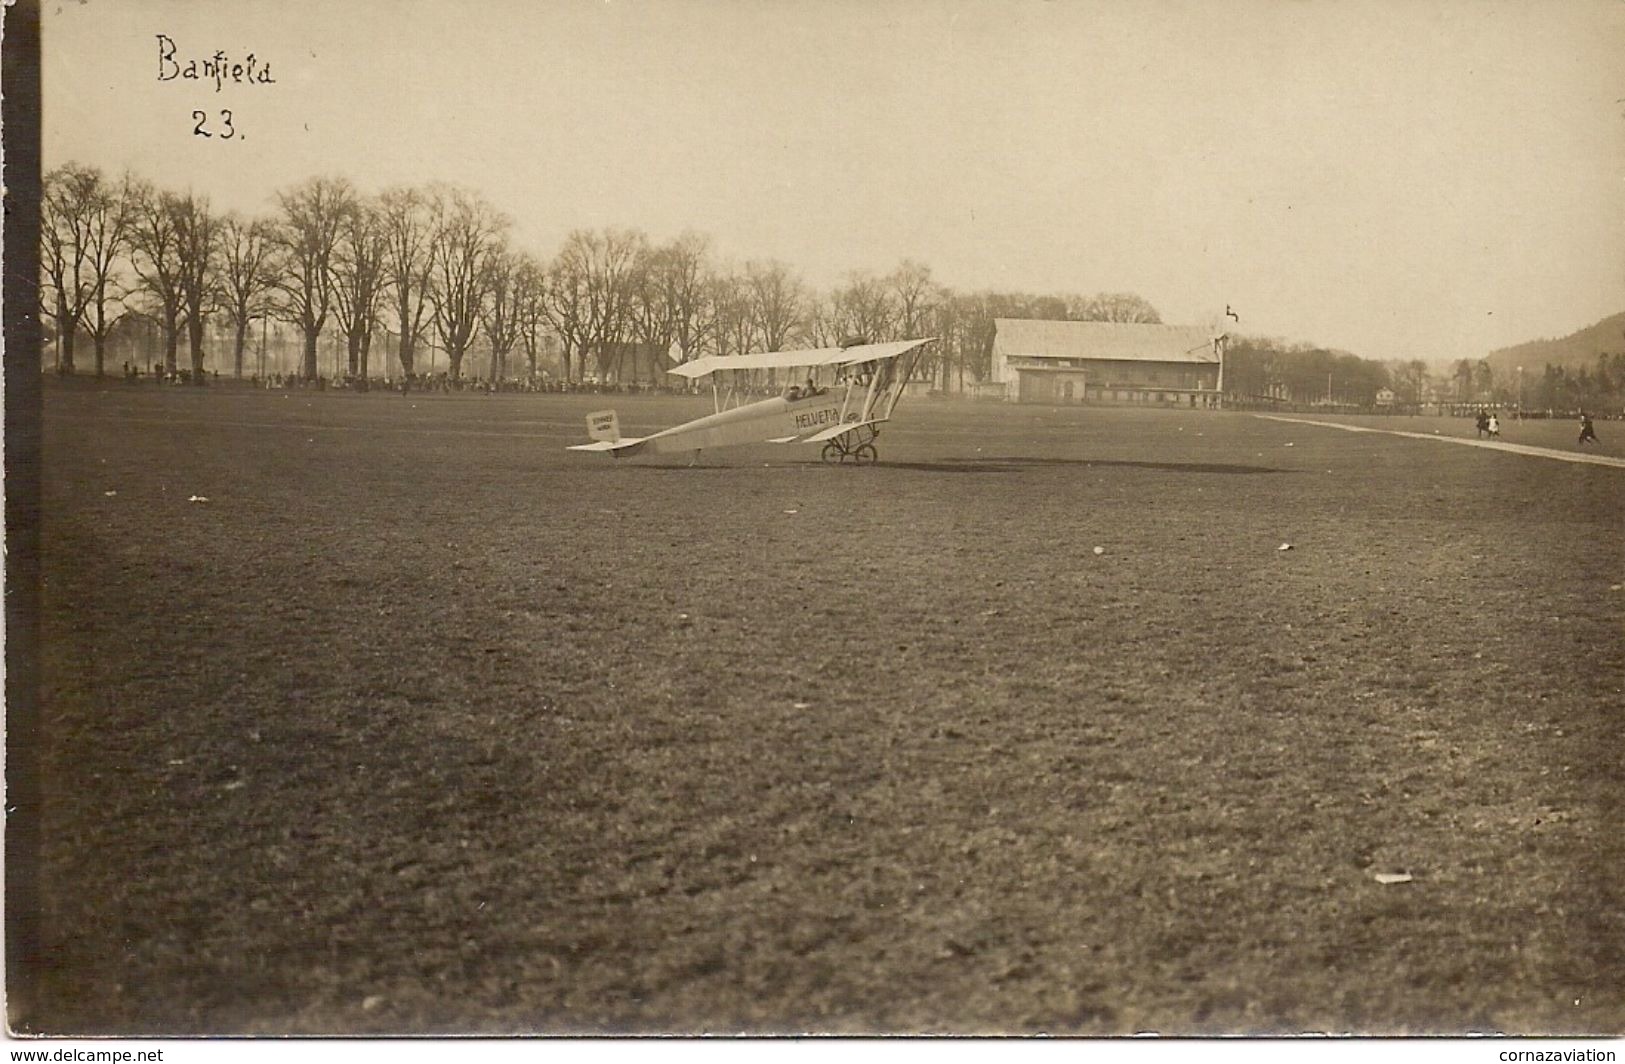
[1106, 361]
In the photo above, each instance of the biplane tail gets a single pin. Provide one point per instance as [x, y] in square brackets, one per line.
[604, 429]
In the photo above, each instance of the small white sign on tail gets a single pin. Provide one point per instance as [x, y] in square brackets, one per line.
[604, 425]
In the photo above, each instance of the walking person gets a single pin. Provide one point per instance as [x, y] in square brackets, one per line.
[1588, 432]
[1494, 427]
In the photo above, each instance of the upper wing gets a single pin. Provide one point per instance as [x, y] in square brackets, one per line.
[810, 357]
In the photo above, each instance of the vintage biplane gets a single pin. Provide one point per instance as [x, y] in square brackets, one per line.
[863, 383]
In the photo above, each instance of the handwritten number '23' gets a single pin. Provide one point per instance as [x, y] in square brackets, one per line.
[225, 116]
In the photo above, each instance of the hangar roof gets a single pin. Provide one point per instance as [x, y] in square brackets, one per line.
[1119, 341]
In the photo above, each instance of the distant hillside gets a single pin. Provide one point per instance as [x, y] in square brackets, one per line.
[1574, 350]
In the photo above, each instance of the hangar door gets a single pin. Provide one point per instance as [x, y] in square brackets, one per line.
[1036, 388]
[1050, 388]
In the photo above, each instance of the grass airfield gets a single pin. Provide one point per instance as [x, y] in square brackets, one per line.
[423, 724]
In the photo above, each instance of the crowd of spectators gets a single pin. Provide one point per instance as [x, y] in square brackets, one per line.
[420, 383]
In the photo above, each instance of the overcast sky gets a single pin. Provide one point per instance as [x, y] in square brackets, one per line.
[1394, 177]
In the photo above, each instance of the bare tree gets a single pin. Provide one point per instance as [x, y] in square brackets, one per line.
[650, 313]
[1111, 306]
[1411, 378]
[408, 266]
[108, 229]
[565, 305]
[358, 280]
[84, 223]
[306, 235]
[687, 268]
[197, 244]
[500, 310]
[974, 318]
[593, 287]
[530, 306]
[670, 294]
[733, 329]
[777, 303]
[951, 324]
[63, 292]
[612, 256]
[245, 277]
[1461, 371]
[155, 239]
[864, 308]
[916, 297]
[822, 324]
[465, 231]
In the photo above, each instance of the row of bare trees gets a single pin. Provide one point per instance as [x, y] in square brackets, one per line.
[433, 261]
[1270, 368]
[436, 265]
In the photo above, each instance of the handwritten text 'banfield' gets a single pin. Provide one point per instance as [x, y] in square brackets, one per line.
[219, 68]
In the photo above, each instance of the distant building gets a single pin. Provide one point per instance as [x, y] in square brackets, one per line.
[1106, 362]
[1386, 397]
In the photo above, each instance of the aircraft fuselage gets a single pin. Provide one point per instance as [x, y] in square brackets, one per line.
[766, 419]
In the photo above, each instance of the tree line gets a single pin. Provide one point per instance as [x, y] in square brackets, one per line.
[437, 265]
[1278, 370]
[1600, 386]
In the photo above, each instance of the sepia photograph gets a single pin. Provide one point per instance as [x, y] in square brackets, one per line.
[1000, 518]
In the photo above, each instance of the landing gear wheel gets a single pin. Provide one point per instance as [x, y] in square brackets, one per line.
[833, 453]
[866, 455]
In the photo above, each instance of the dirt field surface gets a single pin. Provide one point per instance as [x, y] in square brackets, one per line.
[423, 724]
